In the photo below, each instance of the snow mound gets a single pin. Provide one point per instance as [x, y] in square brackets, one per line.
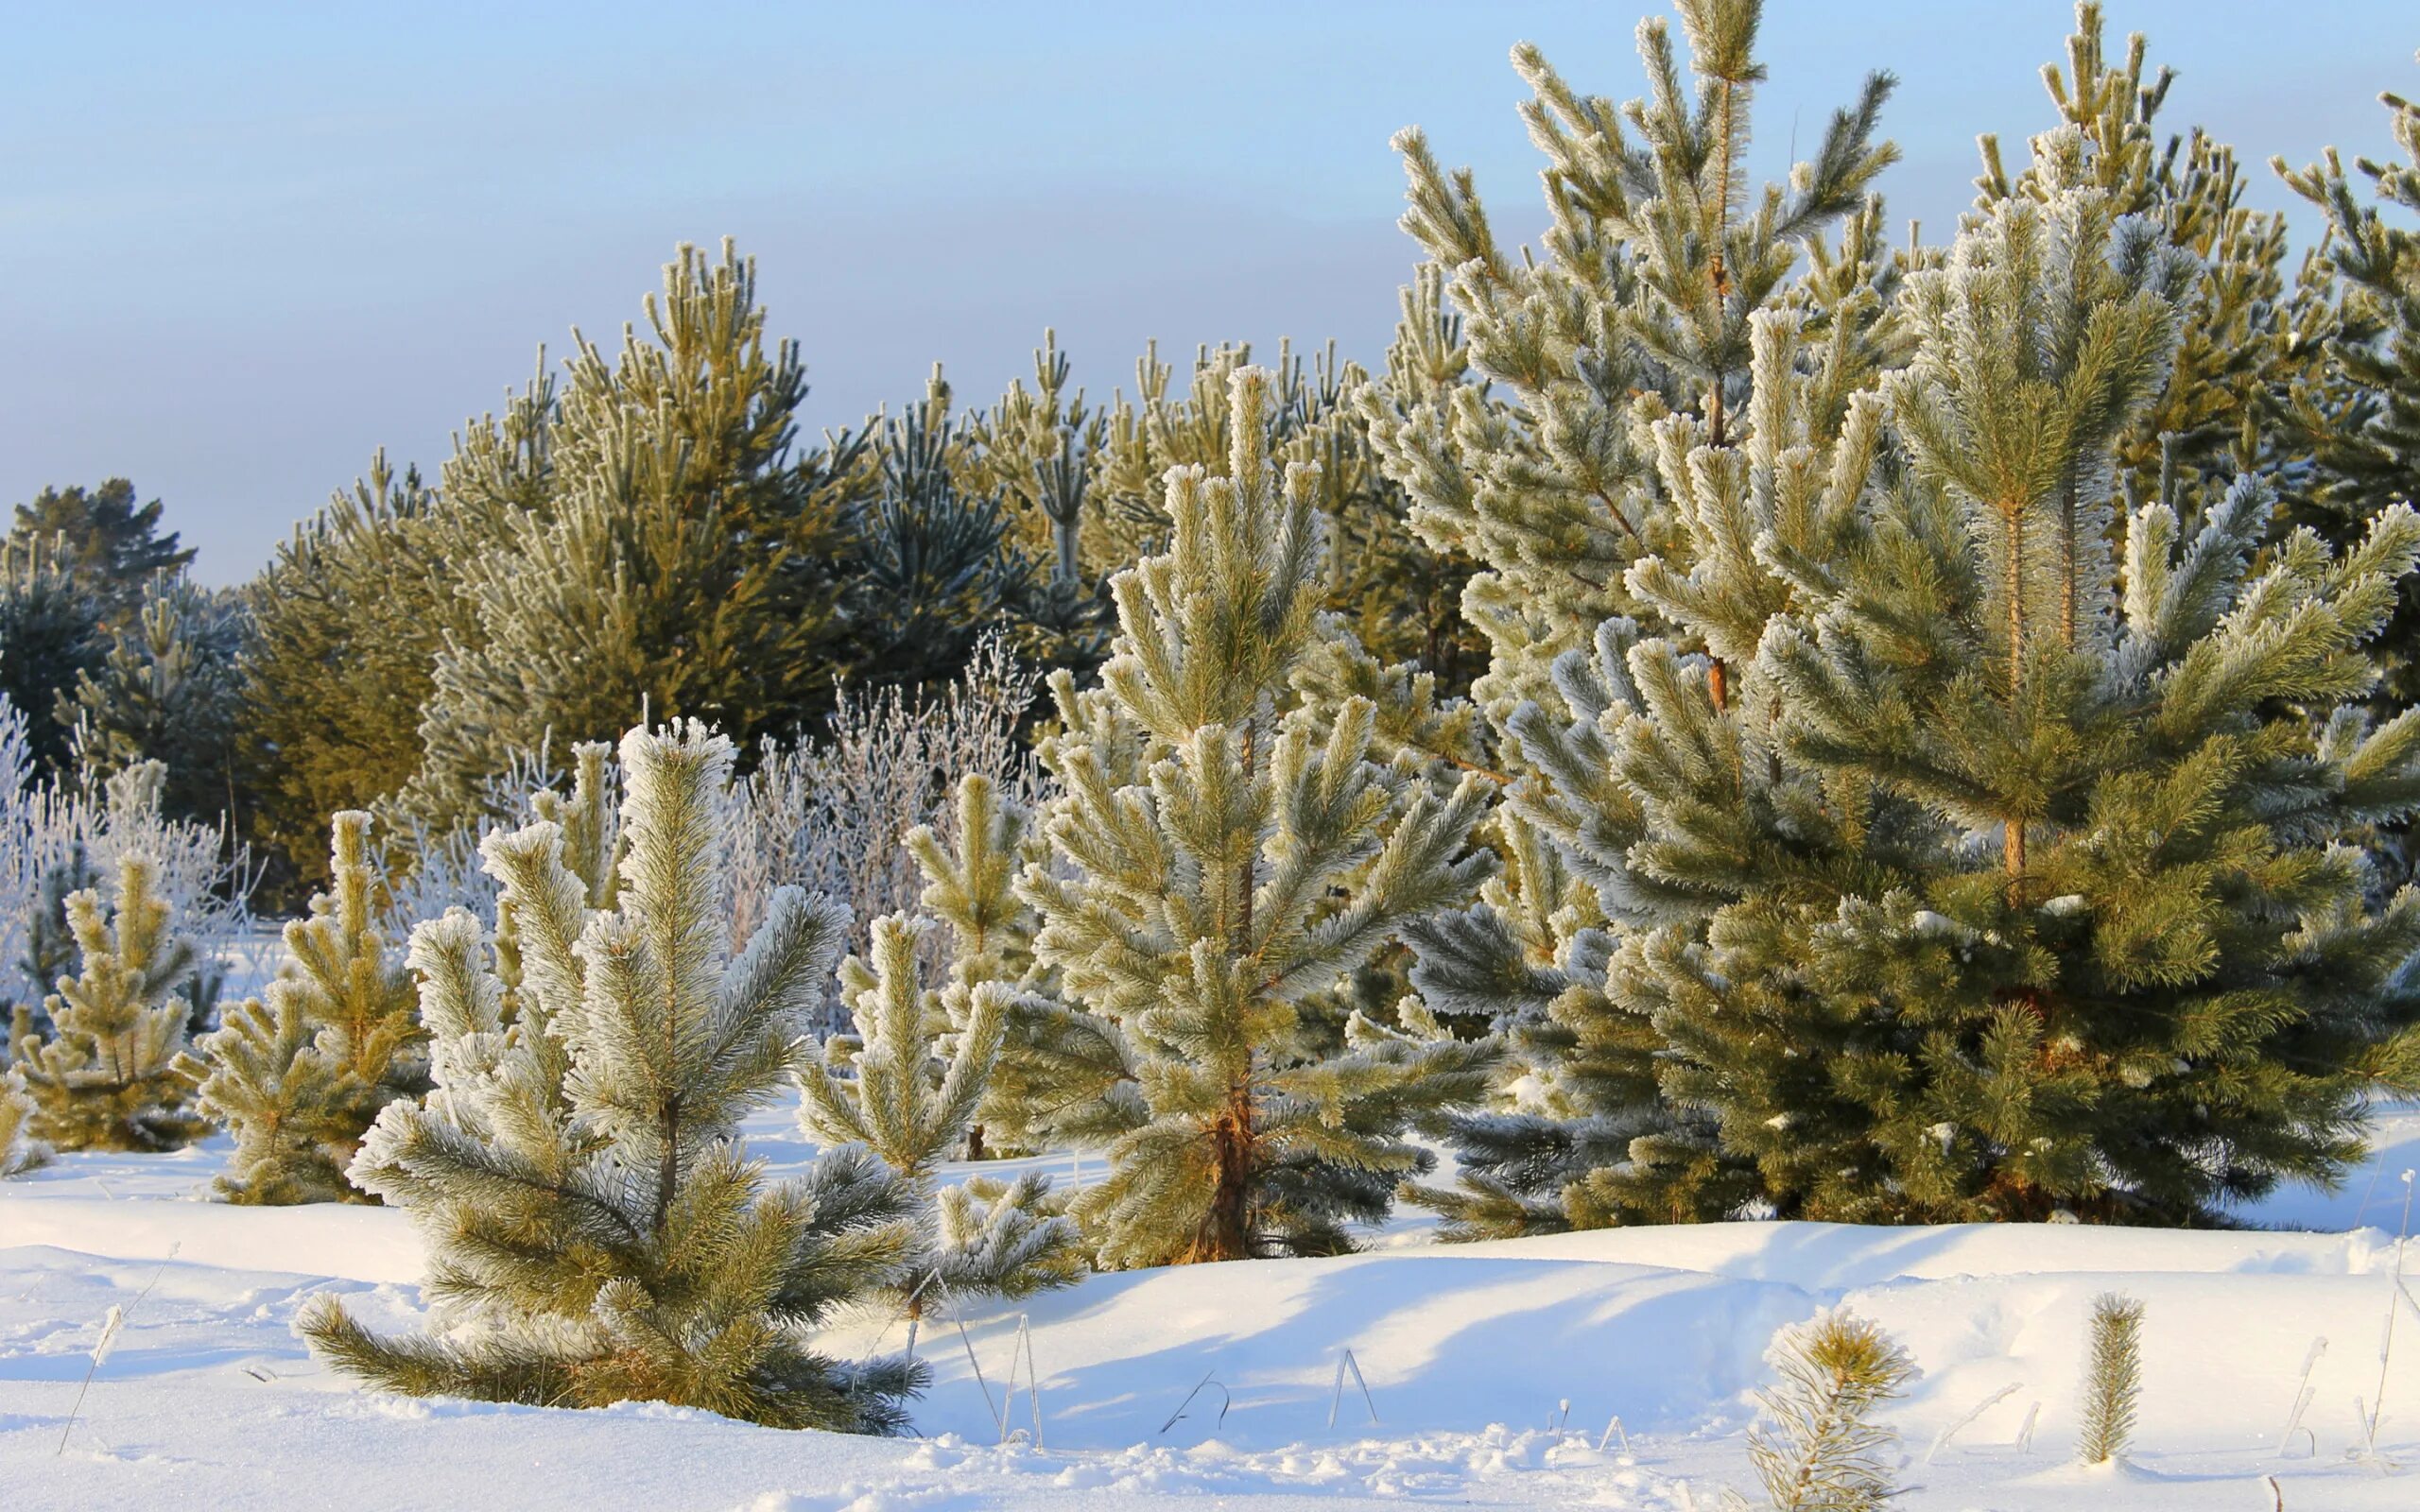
[1613, 1369]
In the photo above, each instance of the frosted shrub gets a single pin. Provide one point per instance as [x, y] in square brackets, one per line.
[830, 816]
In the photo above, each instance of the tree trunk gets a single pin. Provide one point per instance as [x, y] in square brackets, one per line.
[668, 1171]
[1717, 683]
[974, 1142]
[2015, 585]
[1226, 1229]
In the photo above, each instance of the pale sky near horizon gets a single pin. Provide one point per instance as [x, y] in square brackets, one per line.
[244, 245]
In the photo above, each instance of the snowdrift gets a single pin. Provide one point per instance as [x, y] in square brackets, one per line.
[1493, 1372]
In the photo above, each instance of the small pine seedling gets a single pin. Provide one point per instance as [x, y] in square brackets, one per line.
[1823, 1449]
[2113, 1388]
[19, 1149]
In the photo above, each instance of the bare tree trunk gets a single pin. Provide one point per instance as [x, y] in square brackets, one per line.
[2013, 849]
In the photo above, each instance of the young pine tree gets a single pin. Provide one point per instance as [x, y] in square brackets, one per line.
[592, 1215]
[298, 1078]
[1228, 860]
[1822, 1451]
[2135, 976]
[105, 1077]
[1655, 259]
[2113, 1387]
[1612, 359]
[2354, 407]
[908, 1087]
[2365, 405]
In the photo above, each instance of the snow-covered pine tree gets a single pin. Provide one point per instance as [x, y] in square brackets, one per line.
[2135, 977]
[298, 1077]
[2354, 407]
[589, 1208]
[1560, 473]
[105, 1077]
[2373, 446]
[1658, 811]
[1227, 860]
[19, 1150]
[908, 1087]
[2375, 346]
[1654, 261]
[2235, 336]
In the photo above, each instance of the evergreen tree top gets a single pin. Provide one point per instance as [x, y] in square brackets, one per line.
[111, 544]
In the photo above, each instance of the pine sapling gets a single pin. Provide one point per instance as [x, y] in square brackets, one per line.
[907, 1087]
[298, 1078]
[597, 1231]
[19, 1150]
[105, 1078]
[1226, 855]
[2113, 1386]
[1822, 1447]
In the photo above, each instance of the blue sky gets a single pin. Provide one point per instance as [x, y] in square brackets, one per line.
[245, 244]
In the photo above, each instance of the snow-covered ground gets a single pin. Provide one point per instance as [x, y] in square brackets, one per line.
[1494, 1371]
